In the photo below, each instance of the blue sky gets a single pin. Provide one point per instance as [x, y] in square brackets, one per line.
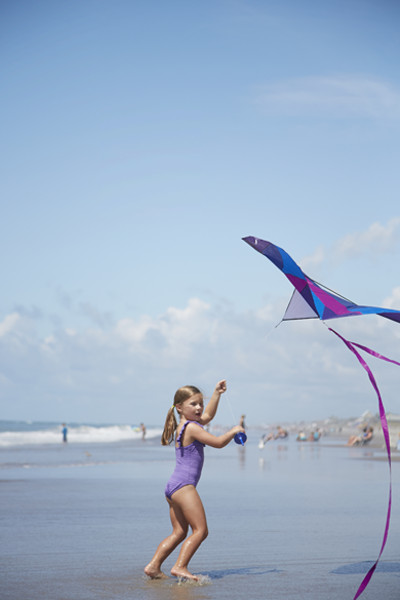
[141, 142]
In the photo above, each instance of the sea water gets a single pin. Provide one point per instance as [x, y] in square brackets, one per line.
[294, 520]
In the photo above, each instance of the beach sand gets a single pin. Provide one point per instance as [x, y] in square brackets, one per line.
[290, 521]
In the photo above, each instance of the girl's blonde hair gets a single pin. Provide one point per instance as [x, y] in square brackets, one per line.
[185, 392]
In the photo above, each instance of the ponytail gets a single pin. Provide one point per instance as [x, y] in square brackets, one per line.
[185, 392]
[169, 428]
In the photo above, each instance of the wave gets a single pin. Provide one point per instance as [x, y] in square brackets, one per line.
[87, 434]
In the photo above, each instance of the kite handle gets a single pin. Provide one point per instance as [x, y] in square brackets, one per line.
[240, 438]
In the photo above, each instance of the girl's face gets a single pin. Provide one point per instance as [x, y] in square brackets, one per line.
[192, 408]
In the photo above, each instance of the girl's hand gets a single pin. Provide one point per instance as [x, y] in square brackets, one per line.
[221, 387]
[237, 429]
[211, 408]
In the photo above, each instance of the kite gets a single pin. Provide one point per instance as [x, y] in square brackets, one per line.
[311, 300]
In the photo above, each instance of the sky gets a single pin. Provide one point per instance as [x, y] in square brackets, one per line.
[140, 142]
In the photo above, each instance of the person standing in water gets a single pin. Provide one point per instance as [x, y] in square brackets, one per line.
[185, 506]
[64, 433]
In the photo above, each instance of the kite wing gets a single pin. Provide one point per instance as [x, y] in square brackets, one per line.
[309, 299]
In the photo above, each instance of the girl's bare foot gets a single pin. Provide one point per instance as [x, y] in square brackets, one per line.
[154, 573]
[184, 573]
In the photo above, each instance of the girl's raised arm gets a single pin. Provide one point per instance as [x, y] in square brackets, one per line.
[194, 432]
[211, 408]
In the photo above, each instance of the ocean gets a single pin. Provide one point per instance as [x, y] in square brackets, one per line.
[79, 521]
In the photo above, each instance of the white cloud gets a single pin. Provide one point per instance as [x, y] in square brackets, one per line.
[71, 332]
[393, 301]
[133, 331]
[335, 96]
[10, 322]
[177, 330]
[131, 371]
[378, 239]
[375, 241]
[314, 260]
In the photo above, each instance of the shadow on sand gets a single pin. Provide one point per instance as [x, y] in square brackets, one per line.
[243, 571]
[363, 567]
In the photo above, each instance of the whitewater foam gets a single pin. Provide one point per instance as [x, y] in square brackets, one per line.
[87, 434]
[203, 580]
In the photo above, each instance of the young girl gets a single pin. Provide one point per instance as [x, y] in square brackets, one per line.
[185, 506]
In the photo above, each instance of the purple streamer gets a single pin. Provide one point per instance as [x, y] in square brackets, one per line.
[385, 430]
[373, 353]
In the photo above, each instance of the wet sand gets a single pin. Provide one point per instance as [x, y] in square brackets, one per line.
[290, 521]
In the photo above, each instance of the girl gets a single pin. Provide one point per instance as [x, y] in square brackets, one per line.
[185, 506]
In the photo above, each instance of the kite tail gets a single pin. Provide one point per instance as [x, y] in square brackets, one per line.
[385, 430]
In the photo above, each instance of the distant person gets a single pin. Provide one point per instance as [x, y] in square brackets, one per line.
[241, 422]
[282, 433]
[143, 430]
[361, 439]
[64, 433]
[317, 434]
[355, 439]
[301, 437]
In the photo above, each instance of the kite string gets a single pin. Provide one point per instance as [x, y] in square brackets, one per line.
[385, 430]
[230, 406]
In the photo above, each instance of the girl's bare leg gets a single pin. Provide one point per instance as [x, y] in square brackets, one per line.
[188, 504]
[179, 532]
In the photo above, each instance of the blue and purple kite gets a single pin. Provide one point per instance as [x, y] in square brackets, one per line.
[309, 299]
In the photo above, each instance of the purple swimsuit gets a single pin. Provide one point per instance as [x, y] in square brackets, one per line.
[189, 463]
